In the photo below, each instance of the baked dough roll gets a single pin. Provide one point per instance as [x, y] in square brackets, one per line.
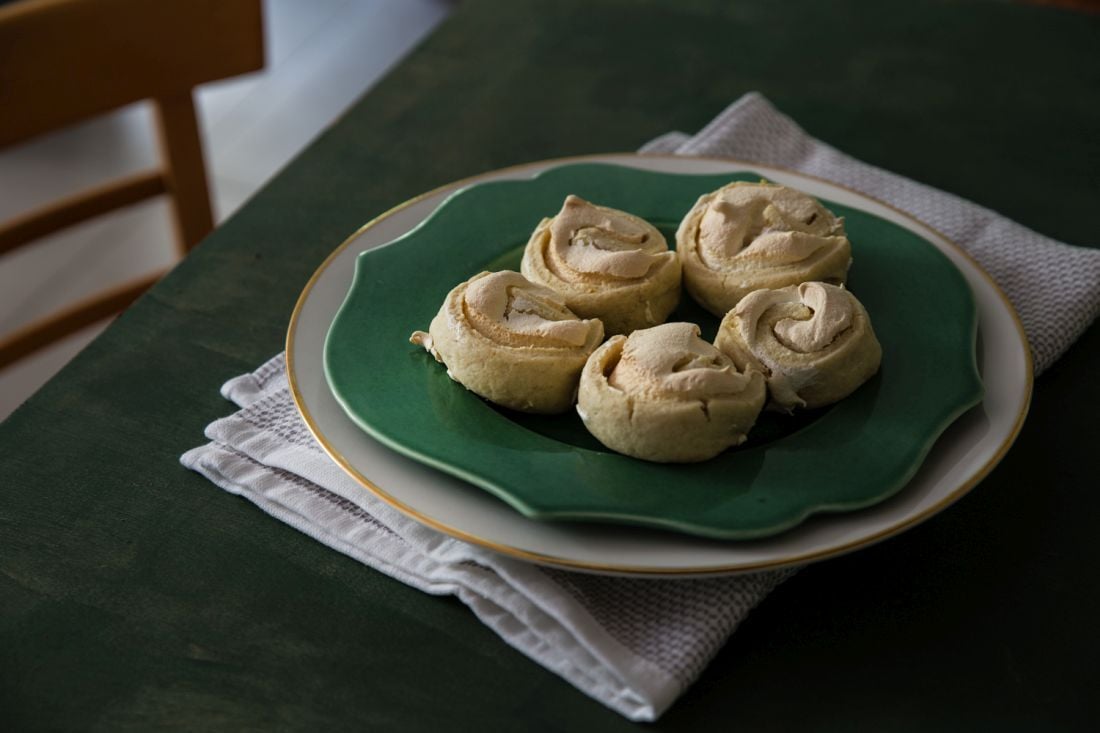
[606, 263]
[664, 394]
[512, 342]
[813, 341]
[748, 236]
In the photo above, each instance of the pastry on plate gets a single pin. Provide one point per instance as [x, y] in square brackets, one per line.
[512, 342]
[748, 236]
[606, 263]
[664, 394]
[813, 341]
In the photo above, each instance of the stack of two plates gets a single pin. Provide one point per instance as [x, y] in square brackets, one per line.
[948, 401]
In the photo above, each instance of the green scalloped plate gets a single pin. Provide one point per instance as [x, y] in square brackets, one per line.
[839, 459]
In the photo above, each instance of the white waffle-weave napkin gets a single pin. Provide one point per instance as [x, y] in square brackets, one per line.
[1054, 287]
[633, 644]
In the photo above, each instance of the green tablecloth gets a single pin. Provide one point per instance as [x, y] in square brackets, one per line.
[134, 595]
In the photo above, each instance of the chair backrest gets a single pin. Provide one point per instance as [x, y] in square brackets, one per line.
[64, 61]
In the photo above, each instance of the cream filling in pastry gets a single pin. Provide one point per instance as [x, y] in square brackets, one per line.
[672, 361]
[606, 264]
[512, 342]
[813, 341]
[663, 394]
[767, 222]
[830, 314]
[507, 308]
[595, 240]
[748, 236]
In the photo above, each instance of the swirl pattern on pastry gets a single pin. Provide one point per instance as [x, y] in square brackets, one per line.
[511, 341]
[813, 342]
[606, 263]
[748, 236]
[664, 394]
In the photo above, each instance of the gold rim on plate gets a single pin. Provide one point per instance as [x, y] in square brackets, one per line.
[953, 496]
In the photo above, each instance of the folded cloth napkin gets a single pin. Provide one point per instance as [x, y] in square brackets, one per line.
[633, 644]
[1054, 287]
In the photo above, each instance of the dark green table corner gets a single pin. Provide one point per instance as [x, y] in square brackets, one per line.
[134, 595]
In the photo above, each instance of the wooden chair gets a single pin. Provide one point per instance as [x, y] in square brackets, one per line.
[64, 61]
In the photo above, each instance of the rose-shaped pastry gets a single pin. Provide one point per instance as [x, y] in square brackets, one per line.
[748, 236]
[813, 342]
[664, 394]
[512, 342]
[607, 264]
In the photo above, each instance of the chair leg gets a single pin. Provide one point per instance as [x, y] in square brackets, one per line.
[181, 150]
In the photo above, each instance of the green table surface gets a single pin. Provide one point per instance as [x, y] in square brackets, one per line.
[134, 595]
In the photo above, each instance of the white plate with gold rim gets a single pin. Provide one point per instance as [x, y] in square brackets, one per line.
[963, 455]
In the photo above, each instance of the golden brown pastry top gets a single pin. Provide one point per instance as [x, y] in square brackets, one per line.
[671, 360]
[814, 342]
[589, 241]
[509, 309]
[762, 221]
[830, 314]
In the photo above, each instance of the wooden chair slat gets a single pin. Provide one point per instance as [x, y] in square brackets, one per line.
[64, 61]
[80, 207]
[36, 335]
